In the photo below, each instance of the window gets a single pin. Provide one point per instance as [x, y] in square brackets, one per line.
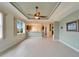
[1, 25]
[72, 26]
[20, 26]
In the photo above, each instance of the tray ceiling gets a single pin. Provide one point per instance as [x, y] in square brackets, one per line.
[45, 8]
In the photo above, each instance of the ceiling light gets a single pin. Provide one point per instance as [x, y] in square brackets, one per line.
[36, 17]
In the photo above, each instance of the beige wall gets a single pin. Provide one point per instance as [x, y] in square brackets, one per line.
[35, 27]
[38, 27]
[10, 38]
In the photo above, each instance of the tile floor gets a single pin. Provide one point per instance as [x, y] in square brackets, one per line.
[37, 47]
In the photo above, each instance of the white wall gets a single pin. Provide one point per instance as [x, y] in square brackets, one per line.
[56, 30]
[70, 38]
[10, 38]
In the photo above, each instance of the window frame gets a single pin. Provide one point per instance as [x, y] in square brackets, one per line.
[15, 26]
[3, 25]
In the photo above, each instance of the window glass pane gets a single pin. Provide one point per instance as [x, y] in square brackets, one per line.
[1, 17]
[1, 25]
[20, 26]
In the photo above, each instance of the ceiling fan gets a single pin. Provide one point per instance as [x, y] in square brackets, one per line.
[37, 14]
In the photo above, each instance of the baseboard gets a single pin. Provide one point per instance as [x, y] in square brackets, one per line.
[77, 50]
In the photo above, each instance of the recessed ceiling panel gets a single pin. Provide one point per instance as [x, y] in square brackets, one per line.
[28, 8]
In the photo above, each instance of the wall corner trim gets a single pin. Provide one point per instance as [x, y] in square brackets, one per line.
[77, 50]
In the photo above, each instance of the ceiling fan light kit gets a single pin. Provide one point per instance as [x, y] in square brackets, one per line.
[37, 17]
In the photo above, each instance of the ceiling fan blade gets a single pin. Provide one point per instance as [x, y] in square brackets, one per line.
[43, 16]
[30, 14]
[34, 18]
